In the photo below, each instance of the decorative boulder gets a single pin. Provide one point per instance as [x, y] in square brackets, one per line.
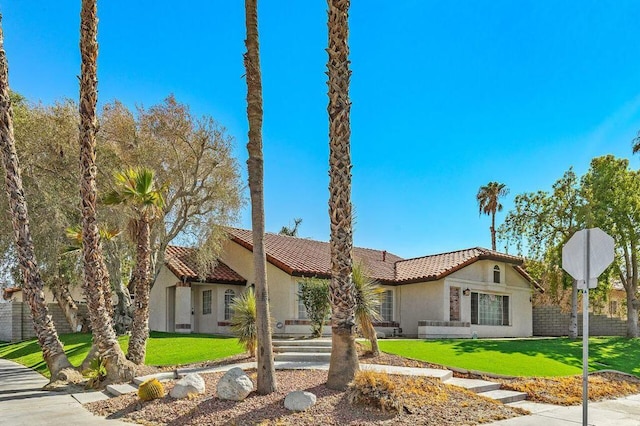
[234, 385]
[299, 400]
[191, 384]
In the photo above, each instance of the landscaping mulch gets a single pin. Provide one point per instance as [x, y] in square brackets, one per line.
[434, 404]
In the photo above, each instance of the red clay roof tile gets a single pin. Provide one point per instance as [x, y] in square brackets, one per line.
[301, 256]
[181, 263]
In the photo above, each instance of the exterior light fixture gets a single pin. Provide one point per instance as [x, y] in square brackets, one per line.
[466, 291]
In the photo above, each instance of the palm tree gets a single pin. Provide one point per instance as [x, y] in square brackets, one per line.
[344, 359]
[255, 164]
[291, 231]
[32, 286]
[136, 190]
[489, 203]
[96, 277]
[368, 299]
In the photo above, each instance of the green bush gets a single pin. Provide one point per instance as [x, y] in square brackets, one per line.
[314, 294]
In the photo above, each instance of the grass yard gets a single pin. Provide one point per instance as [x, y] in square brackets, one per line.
[162, 349]
[525, 357]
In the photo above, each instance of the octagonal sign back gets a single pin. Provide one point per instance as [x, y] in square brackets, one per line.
[600, 256]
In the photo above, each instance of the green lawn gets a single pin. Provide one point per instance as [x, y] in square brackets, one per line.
[528, 357]
[162, 349]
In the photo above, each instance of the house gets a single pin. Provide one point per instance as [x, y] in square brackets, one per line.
[465, 293]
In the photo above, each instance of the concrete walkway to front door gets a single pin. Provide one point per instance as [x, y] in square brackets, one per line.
[23, 402]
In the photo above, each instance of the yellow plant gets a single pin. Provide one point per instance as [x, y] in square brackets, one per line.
[151, 389]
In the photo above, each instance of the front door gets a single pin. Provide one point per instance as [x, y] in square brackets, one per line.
[454, 303]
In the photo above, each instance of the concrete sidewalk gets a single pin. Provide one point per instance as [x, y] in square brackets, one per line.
[23, 403]
[616, 412]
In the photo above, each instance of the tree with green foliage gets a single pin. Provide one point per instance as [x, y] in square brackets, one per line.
[612, 191]
[488, 198]
[135, 189]
[314, 295]
[540, 224]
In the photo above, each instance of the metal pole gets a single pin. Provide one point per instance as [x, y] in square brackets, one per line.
[585, 335]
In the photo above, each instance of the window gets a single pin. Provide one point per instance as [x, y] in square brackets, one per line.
[386, 306]
[496, 274]
[206, 302]
[302, 311]
[229, 295]
[489, 309]
[613, 307]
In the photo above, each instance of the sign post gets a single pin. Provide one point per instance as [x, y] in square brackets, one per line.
[585, 256]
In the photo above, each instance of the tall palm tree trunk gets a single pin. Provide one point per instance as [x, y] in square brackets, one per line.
[255, 164]
[32, 286]
[493, 231]
[140, 330]
[96, 277]
[344, 359]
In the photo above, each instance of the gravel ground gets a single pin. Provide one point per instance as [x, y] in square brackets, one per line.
[443, 405]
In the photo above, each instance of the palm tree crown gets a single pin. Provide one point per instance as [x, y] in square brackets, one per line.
[136, 188]
[488, 198]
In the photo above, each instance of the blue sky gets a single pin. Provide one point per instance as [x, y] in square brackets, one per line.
[447, 96]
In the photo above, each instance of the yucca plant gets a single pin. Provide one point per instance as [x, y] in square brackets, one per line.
[243, 320]
[368, 299]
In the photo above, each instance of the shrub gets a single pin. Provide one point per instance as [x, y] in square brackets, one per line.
[368, 295]
[96, 373]
[374, 389]
[243, 320]
[314, 294]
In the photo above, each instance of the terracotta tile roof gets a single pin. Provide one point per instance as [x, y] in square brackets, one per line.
[301, 256]
[437, 266]
[180, 262]
[305, 257]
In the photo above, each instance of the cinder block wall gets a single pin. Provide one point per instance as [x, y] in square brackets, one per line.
[16, 324]
[551, 321]
[6, 322]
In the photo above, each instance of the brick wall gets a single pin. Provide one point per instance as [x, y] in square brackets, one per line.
[16, 324]
[551, 321]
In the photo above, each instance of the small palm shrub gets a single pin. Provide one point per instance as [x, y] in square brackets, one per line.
[96, 373]
[151, 389]
[243, 320]
[375, 389]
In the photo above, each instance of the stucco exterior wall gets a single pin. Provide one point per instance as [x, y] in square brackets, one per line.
[422, 301]
[511, 284]
[158, 299]
[282, 286]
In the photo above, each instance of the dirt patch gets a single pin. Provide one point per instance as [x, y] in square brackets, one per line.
[433, 403]
[568, 390]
